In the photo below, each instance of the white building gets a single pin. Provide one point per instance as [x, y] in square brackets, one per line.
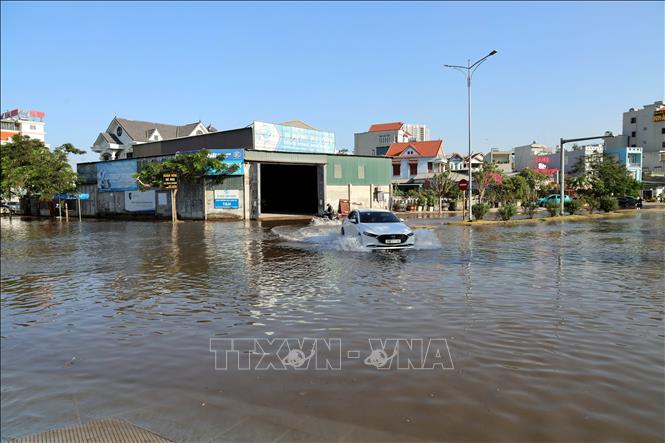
[379, 137]
[121, 135]
[645, 128]
[579, 158]
[415, 162]
[533, 155]
[29, 123]
[418, 133]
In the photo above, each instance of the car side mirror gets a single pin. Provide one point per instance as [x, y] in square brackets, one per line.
[402, 220]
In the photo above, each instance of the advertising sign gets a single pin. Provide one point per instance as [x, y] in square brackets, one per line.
[116, 175]
[231, 157]
[271, 137]
[659, 115]
[140, 201]
[226, 199]
[170, 180]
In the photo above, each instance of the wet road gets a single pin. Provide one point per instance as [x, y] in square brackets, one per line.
[555, 330]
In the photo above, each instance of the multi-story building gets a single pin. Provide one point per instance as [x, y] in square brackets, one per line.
[418, 133]
[631, 157]
[645, 128]
[17, 121]
[122, 135]
[577, 159]
[415, 162]
[379, 137]
[504, 159]
[535, 156]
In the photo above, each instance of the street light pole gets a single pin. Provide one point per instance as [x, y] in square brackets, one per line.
[468, 70]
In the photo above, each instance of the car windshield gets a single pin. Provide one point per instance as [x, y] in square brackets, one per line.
[378, 217]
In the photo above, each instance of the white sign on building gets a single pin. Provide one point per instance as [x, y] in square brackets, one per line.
[140, 201]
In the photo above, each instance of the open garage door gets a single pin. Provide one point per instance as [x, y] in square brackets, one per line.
[289, 189]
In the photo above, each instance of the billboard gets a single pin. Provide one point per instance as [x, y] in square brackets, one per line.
[116, 175]
[140, 201]
[231, 157]
[271, 137]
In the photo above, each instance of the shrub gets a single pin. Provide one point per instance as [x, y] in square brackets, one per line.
[529, 208]
[431, 200]
[608, 203]
[507, 211]
[572, 206]
[553, 208]
[480, 210]
[592, 203]
[421, 200]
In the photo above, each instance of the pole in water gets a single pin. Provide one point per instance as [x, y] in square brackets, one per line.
[78, 201]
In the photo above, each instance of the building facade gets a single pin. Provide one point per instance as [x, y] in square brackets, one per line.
[503, 159]
[415, 162]
[122, 135]
[379, 137]
[20, 122]
[534, 156]
[645, 127]
[630, 157]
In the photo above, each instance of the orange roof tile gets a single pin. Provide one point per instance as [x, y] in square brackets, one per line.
[424, 149]
[386, 127]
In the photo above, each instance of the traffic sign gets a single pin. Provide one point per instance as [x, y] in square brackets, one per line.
[463, 184]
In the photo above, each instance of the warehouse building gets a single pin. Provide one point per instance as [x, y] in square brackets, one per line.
[286, 169]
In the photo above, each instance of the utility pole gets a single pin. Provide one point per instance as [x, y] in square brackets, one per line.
[468, 70]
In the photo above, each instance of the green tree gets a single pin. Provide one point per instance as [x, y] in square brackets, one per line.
[188, 167]
[30, 169]
[487, 176]
[444, 187]
[535, 180]
[513, 189]
[604, 177]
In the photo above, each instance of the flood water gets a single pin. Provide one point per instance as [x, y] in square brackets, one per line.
[555, 330]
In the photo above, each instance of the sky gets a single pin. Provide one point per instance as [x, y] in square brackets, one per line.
[563, 69]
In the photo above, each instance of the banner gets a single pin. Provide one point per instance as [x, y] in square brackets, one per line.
[271, 137]
[116, 175]
[226, 199]
[140, 201]
[231, 157]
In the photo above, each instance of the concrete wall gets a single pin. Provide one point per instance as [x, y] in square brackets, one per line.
[361, 196]
[235, 183]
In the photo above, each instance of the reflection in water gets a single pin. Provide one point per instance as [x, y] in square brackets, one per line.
[555, 329]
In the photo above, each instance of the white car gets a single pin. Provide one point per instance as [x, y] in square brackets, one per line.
[378, 229]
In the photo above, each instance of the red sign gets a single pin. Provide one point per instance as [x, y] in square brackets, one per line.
[463, 185]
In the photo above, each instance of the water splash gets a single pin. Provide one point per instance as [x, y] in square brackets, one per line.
[328, 236]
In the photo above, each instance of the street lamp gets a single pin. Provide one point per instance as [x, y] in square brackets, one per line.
[468, 70]
[563, 141]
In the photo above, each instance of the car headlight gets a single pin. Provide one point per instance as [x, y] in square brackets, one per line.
[410, 234]
[369, 234]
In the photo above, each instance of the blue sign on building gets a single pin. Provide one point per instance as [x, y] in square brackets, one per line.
[231, 157]
[282, 138]
[116, 175]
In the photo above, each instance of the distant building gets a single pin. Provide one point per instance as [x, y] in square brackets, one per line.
[578, 158]
[504, 159]
[121, 135]
[630, 157]
[17, 121]
[415, 162]
[645, 127]
[534, 156]
[379, 137]
[455, 162]
[418, 133]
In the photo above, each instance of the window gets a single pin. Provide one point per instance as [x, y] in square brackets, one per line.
[633, 134]
[430, 166]
[378, 217]
[634, 159]
[383, 139]
[632, 146]
[361, 171]
[413, 168]
[156, 137]
[633, 119]
[129, 155]
[381, 150]
[118, 131]
[199, 132]
[338, 170]
[396, 170]
[353, 216]
[662, 130]
[106, 157]
[663, 144]
[33, 127]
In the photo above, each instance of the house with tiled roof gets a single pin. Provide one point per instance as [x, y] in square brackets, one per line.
[378, 138]
[415, 162]
[122, 134]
